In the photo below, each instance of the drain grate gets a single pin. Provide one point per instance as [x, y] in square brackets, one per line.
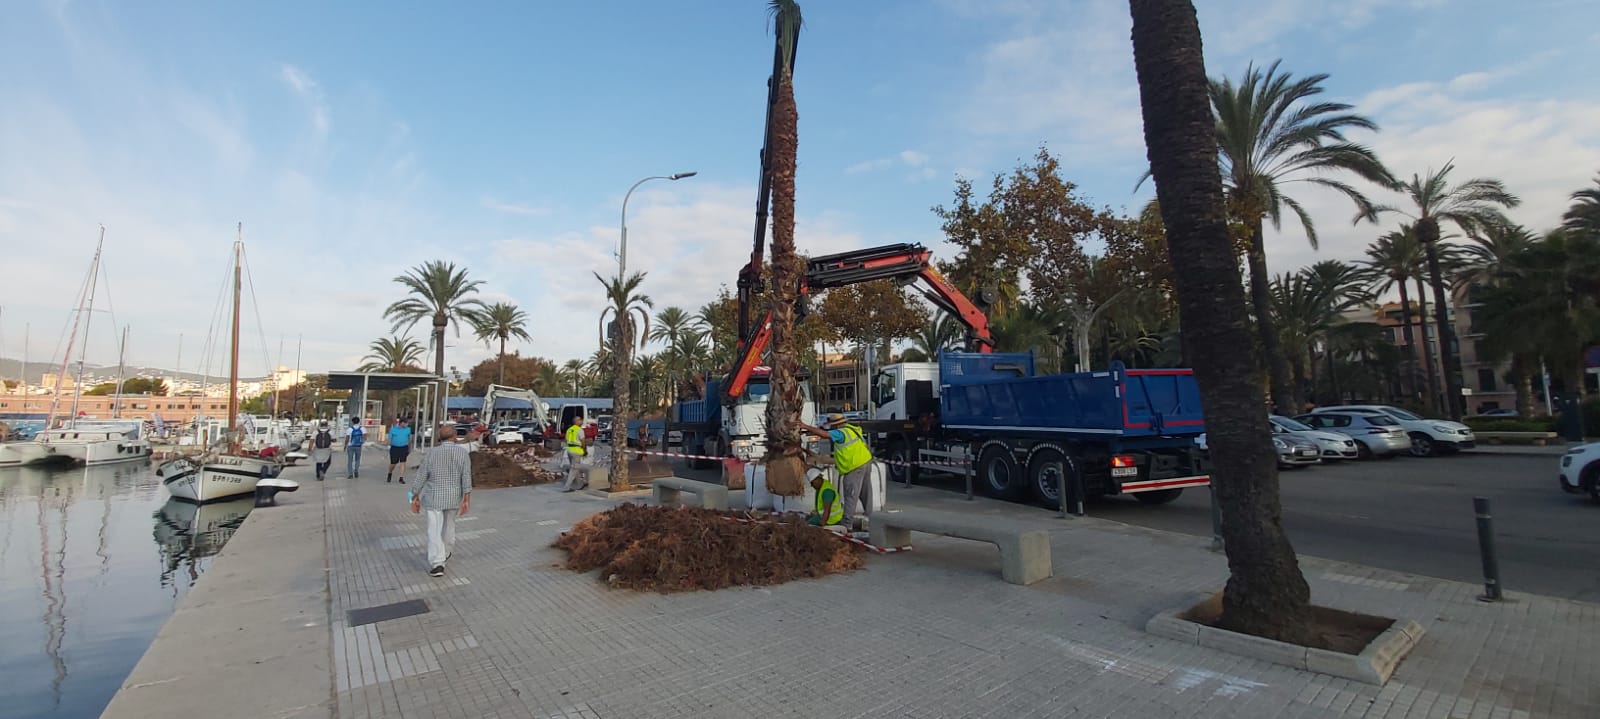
[385, 612]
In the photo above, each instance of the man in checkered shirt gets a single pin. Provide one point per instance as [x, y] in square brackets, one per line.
[444, 488]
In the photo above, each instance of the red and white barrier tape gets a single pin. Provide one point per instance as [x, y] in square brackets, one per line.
[940, 463]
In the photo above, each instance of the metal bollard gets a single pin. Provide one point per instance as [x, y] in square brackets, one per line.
[1061, 491]
[1216, 520]
[1486, 550]
[967, 473]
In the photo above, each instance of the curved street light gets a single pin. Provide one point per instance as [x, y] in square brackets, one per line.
[622, 254]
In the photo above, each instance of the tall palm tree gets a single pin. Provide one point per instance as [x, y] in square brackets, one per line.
[1483, 261]
[1266, 593]
[502, 321]
[623, 303]
[785, 468]
[937, 335]
[1341, 287]
[572, 375]
[390, 354]
[672, 325]
[1393, 260]
[1271, 131]
[548, 380]
[1583, 217]
[441, 293]
[1471, 206]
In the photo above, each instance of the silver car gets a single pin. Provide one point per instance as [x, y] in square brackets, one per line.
[1334, 446]
[1295, 452]
[1376, 434]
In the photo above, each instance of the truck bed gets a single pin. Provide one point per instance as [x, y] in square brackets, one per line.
[1119, 403]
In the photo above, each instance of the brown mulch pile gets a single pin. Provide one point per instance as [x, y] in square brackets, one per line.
[684, 549]
[493, 470]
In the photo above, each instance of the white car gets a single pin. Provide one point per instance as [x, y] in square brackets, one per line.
[1334, 446]
[508, 435]
[1580, 470]
[1428, 436]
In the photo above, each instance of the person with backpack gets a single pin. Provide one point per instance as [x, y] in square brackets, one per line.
[322, 450]
[354, 438]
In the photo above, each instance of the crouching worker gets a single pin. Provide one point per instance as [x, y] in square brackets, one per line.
[829, 511]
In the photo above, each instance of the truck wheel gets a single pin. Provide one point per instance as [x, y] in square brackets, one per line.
[897, 460]
[1158, 496]
[1045, 473]
[999, 476]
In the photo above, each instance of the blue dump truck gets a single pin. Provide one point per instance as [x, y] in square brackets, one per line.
[1024, 436]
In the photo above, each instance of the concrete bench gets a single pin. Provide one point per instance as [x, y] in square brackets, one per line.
[1024, 552]
[666, 492]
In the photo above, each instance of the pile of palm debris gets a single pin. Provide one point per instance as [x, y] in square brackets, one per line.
[684, 549]
[493, 470]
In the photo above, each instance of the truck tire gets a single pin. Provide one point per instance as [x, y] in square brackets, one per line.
[1045, 472]
[1158, 496]
[897, 460]
[999, 476]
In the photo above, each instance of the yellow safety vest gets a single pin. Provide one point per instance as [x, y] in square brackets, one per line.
[836, 512]
[853, 453]
[575, 440]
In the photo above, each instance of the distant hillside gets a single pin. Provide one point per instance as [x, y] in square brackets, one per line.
[13, 369]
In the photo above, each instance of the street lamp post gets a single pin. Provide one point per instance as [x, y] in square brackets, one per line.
[622, 252]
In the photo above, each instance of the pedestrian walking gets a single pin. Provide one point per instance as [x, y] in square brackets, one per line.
[322, 450]
[399, 448]
[354, 438]
[851, 457]
[444, 489]
[577, 456]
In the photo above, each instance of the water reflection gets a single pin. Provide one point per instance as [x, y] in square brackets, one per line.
[82, 589]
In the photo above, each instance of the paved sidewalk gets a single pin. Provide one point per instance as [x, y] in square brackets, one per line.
[1549, 450]
[931, 633]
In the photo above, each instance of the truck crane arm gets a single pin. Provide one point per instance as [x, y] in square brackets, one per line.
[902, 263]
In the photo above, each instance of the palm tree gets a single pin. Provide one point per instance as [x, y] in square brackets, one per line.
[1583, 217]
[623, 303]
[391, 354]
[1471, 206]
[1393, 260]
[785, 468]
[548, 380]
[441, 293]
[1271, 132]
[1482, 262]
[939, 334]
[502, 321]
[572, 375]
[672, 326]
[1266, 593]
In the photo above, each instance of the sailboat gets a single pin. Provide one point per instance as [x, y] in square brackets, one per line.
[80, 441]
[226, 470]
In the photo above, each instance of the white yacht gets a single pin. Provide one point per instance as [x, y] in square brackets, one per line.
[215, 476]
[16, 454]
[91, 442]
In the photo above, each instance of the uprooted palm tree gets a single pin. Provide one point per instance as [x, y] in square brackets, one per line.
[624, 302]
[502, 321]
[784, 465]
[441, 293]
[1471, 206]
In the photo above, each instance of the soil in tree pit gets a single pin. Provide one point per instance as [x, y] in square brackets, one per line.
[1331, 629]
[685, 549]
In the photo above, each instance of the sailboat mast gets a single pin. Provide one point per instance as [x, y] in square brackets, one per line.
[298, 380]
[122, 372]
[233, 356]
[88, 318]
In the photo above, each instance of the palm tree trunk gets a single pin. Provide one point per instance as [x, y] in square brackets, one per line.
[440, 322]
[1266, 594]
[621, 345]
[785, 468]
[1284, 398]
[1428, 232]
[1522, 382]
[1427, 354]
[1408, 367]
[501, 377]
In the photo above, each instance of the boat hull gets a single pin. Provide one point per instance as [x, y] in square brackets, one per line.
[17, 454]
[216, 479]
[108, 451]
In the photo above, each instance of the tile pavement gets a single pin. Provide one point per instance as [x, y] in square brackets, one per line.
[930, 633]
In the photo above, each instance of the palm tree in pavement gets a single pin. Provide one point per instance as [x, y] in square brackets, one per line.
[1266, 593]
[502, 321]
[1471, 205]
[785, 467]
[624, 302]
[1393, 261]
[1272, 131]
[439, 292]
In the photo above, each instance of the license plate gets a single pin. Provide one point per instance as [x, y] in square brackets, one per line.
[1124, 471]
[1308, 453]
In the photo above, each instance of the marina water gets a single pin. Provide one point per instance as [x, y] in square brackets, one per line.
[93, 560]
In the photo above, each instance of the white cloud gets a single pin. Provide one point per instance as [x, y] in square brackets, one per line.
[310, 92]
[915, 163]
[515, 208]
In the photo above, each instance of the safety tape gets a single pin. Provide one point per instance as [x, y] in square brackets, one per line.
[940, 463]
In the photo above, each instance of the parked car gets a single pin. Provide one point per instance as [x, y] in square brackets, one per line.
[1334, 446]
[1428, 436]
[1295, 452]
[1376, 434]
[508, 435]
[1580, 470]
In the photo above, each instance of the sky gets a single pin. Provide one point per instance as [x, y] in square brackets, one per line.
[355, 140]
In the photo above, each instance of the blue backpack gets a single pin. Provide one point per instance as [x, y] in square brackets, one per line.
[357, 436]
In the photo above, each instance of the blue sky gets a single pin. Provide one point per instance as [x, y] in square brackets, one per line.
[354, 140]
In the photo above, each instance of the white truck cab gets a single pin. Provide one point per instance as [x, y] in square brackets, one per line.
[744, 425]
[889, 387]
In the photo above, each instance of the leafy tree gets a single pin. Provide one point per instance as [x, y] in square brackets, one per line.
[1471, 206]
[516, 370]
[1544, 304]
[1266, 594]
[873, 314]
[935, 336]
[133, 385]
[624, 302]
[1271, 131]
[440, 293]
[502, 321]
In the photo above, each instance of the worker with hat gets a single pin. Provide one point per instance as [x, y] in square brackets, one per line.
[851, 457]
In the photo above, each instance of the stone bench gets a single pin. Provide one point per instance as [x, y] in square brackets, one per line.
[1024, 552]
[667, 491]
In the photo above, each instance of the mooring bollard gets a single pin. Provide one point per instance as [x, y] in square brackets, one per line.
[1486, 550]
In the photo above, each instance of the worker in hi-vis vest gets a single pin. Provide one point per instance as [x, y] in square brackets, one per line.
[828, 511]
[577, 457]
[851, 457]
